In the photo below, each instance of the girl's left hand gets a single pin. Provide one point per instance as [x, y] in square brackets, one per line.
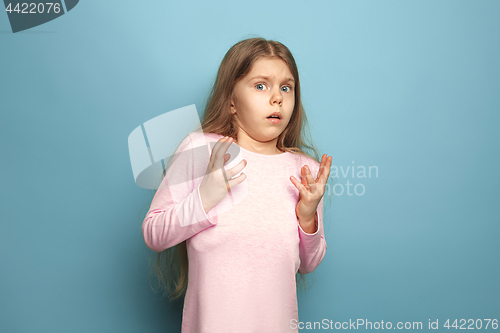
[311, 191]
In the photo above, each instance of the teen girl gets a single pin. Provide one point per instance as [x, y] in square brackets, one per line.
[241, 239]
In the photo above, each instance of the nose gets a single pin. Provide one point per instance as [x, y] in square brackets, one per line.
[276, 98]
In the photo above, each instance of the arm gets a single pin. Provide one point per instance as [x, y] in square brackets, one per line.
[176, 212]
[312, 246]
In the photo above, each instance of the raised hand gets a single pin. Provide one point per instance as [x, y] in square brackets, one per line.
[310, 192]
[217, 181]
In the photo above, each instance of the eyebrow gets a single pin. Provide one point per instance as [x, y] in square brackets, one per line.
[288, 79]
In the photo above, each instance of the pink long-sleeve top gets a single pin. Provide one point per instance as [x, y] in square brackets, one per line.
[244, 252]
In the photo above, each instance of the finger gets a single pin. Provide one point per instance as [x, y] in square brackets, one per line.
[214, 151]
[303, 178]
[310, 180]
[324, 169]
[235, 181]
[328, 167]
[220, 148]
[211, 162]
[236, 169]
[321, 167]
[302, 189]
[220, 156]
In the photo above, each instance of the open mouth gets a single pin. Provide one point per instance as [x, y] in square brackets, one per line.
[275, 115]
[274, 119]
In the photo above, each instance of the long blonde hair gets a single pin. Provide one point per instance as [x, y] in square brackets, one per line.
[171, 267]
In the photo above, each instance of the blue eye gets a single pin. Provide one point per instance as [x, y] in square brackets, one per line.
[259, 85]
[286, 88]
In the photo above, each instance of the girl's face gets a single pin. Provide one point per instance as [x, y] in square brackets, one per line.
[267, 88]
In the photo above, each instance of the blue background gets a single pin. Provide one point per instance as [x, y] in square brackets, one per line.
[410, 87]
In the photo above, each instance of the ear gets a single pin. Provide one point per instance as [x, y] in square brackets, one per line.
[232, 105]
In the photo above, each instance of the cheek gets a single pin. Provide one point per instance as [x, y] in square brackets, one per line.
[291, 100]
[248, 101]
[260, 98]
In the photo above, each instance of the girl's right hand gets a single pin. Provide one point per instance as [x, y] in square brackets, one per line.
[217, 181]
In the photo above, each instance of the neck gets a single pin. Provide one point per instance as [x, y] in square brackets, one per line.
[259, 147]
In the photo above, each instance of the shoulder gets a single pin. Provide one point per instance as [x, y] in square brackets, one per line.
[310, 162]
[199, 138]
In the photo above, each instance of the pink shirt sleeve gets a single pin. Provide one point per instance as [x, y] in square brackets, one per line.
[312, 247]
[176, 212]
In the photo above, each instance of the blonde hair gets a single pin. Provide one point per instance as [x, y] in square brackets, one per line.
[171, 267]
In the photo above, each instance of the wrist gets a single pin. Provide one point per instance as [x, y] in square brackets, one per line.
[204, 203]
[309, 225]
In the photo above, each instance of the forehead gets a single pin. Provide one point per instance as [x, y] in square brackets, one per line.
[272, 67]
